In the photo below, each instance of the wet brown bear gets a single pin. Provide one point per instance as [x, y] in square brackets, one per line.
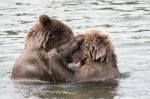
[96, 60]
[48, 33]
[33, 62]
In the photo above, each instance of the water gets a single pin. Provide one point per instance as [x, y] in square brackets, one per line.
[126, 20]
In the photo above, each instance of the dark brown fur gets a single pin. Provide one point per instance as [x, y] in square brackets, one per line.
[33, 62]
[48, 33]
[36, 64]
[58, 60]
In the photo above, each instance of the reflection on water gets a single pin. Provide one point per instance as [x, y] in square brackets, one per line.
[126, 20]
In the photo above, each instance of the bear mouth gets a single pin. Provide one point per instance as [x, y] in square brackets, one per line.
[77, 64]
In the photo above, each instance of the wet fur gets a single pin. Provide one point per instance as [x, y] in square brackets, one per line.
[48, 33]
[33, 62]
[99, 61]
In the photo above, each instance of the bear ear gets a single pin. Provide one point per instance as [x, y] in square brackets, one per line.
[45, 20]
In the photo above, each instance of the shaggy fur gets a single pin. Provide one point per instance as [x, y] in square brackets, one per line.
[97, 56]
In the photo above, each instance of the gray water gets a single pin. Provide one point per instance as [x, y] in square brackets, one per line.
[128, 22]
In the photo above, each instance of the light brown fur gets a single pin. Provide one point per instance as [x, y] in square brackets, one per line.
[98, 58]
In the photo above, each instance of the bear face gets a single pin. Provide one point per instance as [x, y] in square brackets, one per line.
[96, 57]
[48, 33]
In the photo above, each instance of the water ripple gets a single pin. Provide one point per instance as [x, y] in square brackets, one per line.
[126, 20]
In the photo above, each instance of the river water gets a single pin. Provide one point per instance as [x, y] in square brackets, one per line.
[128, 22]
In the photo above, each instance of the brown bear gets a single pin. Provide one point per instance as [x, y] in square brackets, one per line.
[33, 62]
[96, 59]
[48, 33]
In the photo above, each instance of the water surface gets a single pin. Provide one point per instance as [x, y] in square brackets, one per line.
[126, 20]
